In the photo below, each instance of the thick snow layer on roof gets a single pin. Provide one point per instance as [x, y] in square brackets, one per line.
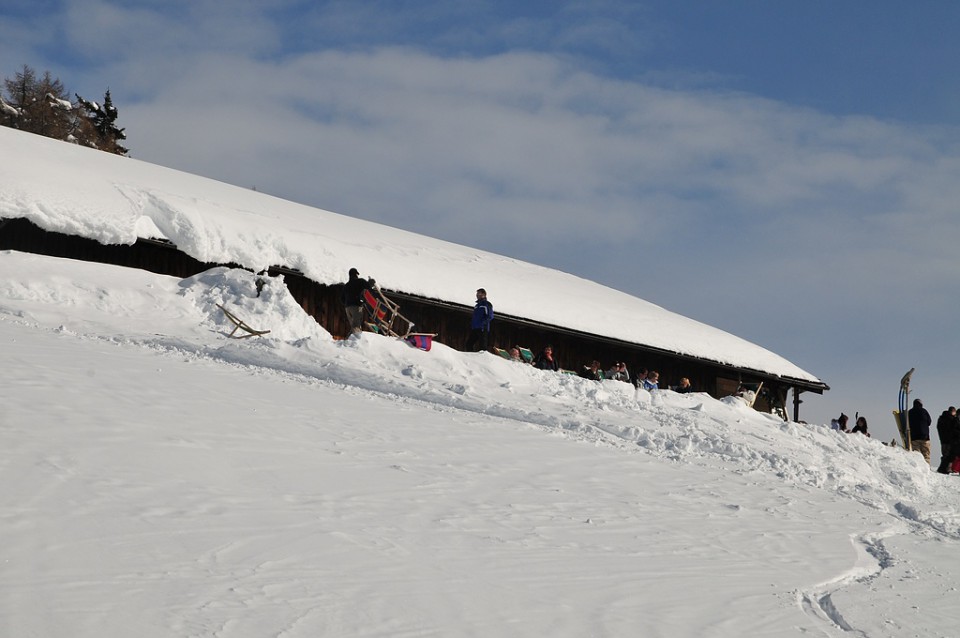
[70, 189]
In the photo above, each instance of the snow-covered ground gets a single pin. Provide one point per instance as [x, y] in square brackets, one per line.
[161, 479]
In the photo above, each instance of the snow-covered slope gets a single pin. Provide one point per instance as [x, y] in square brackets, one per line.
[114, 200]
[161, 479]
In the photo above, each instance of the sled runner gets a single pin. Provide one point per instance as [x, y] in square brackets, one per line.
[239, 324]
[383, 317]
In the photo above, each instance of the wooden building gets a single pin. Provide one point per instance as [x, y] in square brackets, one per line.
[449, 320]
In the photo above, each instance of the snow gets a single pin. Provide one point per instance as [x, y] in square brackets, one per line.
[161, 479]
[115, 200]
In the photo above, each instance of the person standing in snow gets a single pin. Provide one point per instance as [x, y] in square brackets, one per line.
[352, 297]
[920, 429]
[948, 429]
[480, 323]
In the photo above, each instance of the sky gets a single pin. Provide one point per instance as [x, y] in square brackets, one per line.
[183, 483]
[784, 171]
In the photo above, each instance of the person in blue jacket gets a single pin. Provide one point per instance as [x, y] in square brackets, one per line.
[480, 323]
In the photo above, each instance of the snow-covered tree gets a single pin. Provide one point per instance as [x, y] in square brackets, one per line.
[101, 130]
[40, 105]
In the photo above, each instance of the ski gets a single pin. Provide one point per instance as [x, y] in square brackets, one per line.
[901, 416]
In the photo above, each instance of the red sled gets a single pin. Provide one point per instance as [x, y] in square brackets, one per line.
[422, 341]
[955, 466]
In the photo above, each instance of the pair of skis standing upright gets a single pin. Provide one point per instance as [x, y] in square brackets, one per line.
[902, 415]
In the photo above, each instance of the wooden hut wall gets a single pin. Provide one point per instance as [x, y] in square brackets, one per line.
[155, 256]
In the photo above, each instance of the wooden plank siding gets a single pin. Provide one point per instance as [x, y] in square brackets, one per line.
[449, 321]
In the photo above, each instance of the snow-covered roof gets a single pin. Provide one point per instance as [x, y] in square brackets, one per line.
[114, 200]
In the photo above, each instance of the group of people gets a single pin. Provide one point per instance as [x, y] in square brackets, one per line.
[919, 421]
[840, 424]
[479, 339]
[948, 430]
[648, 380]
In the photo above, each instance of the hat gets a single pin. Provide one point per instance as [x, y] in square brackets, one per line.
[354, 272]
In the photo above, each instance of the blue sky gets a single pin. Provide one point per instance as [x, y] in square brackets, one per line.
[787, 171]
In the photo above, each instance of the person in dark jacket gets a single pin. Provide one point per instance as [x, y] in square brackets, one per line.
[480, 323]
[352, 297]
[861, 426]
[546, 361]
[592, 371]
[948, 429]
[920, 429]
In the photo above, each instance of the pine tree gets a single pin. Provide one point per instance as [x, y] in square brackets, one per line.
[101, 130]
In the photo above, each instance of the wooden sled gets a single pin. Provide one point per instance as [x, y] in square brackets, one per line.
[901, 429]
[383, 317]
[239, 324]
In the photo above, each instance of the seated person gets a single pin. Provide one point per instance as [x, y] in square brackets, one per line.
[592, 371]
[684, 386]
[652, 382]
[515, 354]
[745, 393]
[840, 423]
[861, 426]
[545, 360]
[640, 378]
[619, 372]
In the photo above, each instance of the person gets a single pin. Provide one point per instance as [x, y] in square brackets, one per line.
[920, 421]
[545, 360]
[480, 323]
[592, 371]
[840, 423]
[948, 429]
[515, 354]
[619, 372]
[640, 378]
[652, 381]
[747, 394]
[352, 297]
[861, 426]
[684, 386]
